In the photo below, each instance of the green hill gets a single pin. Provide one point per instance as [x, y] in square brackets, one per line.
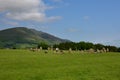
[22, 37]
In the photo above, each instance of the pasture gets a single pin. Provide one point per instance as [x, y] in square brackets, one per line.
[28, 65]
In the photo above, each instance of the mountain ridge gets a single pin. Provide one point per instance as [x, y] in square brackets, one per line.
[25, 36]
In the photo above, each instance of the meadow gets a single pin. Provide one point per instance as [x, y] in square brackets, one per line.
[28, 65]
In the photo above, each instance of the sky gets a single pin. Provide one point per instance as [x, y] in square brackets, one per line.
[96, 21]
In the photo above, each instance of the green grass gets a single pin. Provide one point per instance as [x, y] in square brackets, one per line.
[27, 65]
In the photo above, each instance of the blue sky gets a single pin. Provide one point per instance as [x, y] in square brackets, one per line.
[95, 21]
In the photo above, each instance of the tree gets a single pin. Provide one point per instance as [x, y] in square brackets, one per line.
[118, 50]
[84, 46]
[43, 45]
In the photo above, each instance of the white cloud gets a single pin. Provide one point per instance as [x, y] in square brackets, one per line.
[72, 30]
[26, 10]
[12, 23]
[57, 0]
[62, 2]
[44, 27]
[86, 17]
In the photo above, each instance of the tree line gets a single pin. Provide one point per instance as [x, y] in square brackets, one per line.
[85, 46]
[73, 45]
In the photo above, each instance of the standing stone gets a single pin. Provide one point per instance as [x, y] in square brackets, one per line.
[91, 50]
[107, 50]
[48, 48]
[98, 51]
[57, 50]
[70, 50]
[40, 48]
[104, 50]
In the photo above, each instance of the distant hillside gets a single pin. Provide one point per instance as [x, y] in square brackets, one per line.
[24, 37]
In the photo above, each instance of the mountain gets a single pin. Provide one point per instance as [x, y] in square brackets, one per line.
[25, 37]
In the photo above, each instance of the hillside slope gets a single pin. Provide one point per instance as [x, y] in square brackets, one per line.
[25, 37]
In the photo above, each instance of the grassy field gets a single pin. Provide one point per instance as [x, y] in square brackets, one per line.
[27, 65]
